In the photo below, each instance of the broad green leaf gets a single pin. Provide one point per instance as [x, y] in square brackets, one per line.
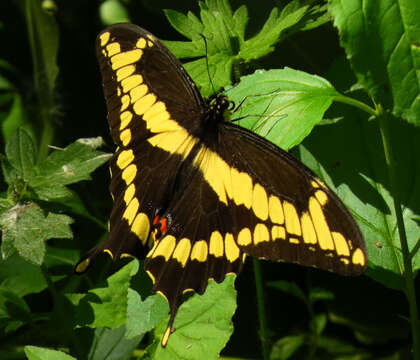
[284, 348]
[69, 165]
[143, 316]
[25, 228]
[356, 169]
[15, 118]
[20, 152]
[39, 353]
[203, 324]
[281, 105]
[110, 344]
[381, 40]
[106, 306]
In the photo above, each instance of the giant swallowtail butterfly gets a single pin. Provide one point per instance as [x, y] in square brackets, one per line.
[194, 194]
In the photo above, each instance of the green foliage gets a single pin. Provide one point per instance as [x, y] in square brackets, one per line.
[367, 149]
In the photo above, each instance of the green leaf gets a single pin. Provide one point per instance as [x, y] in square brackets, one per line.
[14, 307]
[112, 12]
[67, 166]
[386, 58]
[15, 118]
[284, 105]
[20, 152]
[21, 277]
[143, 316]
[284, 348]
[110, 344]
[317, 323]
[39, 353]
[317, 294]
[107, 306]
[203, 324]
[356, 169]
[290, 288]
[25, 229]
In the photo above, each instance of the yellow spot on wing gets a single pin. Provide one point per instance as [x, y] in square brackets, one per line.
[82, 266]
[245, 237]
[216, 244]
[242, 188]
[144, 103]
[141, 43]
[129, 193]
[321, 197]
[358, 257]
[104, 37]
[125, 58]
[125, 101]
[308, 230]
[320, 224]
[129, 174]
[278, 232]
[125, 118]
[260, 202]
[125, 158]
[294, 240]
[314, 184]
[131, 82]
[232, 250]
[199, 251]
[107, 251]
[131, 210]
[141, 227]
[292, 219]
[176, 142]
[113, 48]
[275, 210]
[125, 72]
[341, 246]
[161, 122]
[165, 247]
[138, 92]
[261, 234]
[125, 136]
[182, 251]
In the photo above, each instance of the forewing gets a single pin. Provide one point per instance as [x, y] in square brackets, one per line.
[148, 96]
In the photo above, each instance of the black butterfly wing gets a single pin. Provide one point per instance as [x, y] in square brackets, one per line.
[148, 94]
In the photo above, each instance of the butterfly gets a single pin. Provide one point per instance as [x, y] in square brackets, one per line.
[193, 194]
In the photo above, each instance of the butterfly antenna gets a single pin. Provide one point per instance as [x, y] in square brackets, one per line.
[207, 63]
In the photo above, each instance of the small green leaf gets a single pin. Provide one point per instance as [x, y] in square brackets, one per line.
[39, 353]
[112, 12]
[317, 294]
[281, 105]
[143, 316]
[70, 165]
[111, 344]
[107, 306]
[14, 307]
[203, 324]
[20, 152]
[290, 288]
[25, 229]
[284, 348]
[318, 323]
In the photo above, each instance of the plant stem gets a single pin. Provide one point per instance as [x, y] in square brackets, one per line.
[261, 308]
[384, 123]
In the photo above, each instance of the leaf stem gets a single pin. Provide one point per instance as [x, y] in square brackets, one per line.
[384, 125]
[356, 103]
[261, 308]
